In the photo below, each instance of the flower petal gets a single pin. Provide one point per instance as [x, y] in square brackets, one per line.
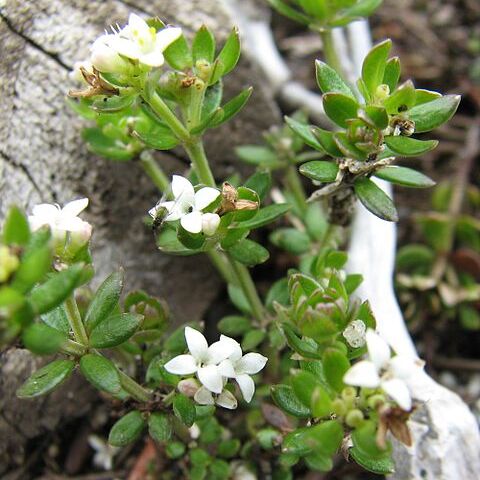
[166, 37]
[210, 223]
[211, 378]
[362, 374]
[74, 208]
[196, 343]
[203, 397]
[45, 212]
[236, 348]
[226, 369]
[205, 196]
[378, 349]
[227, 400]
[125, 47]
[152, 59]
[247, 386]
[181, 365]
[402, 366]
[137, 23]
[398, 390]
[224, 348]
[192, 222]
[250, 363]
[181, 186]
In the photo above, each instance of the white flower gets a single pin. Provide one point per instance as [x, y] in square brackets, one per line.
[240, 367]
[381, 370]
[203, 360]
[104, 452]
[225, 399]
[187, 207]
[354, 333]
[136, 41]
[62, 220]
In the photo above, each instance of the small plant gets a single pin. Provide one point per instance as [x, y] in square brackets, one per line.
[146, 87]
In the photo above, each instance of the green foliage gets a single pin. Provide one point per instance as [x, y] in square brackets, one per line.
[127, 429]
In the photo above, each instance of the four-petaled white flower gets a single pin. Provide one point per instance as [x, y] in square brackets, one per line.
[136, 41]
[104, 452]
[384, 371]
[187, 207]
[203, 360]
[62, 220]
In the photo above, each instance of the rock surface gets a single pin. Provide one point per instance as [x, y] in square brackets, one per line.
[43, 159]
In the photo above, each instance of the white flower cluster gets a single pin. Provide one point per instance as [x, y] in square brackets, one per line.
[62, 221]
[214, 365]
[137, 42]
[381, 370]
[187, 206]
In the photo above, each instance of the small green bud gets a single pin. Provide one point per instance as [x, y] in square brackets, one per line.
[9, 263]
[339, 407]
[382, 92]
[354, 418]
[376, 400]
[349, 393]
[204, 69]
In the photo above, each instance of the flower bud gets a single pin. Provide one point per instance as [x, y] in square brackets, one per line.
[8, 263]
[106, 59]
[204, 69]
[339, 407]
[382, 92]
[188, 387]
[210, 223]
[354, 418]
[375, 401]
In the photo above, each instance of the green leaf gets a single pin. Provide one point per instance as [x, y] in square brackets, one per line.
[305, 348]
[57, 318]
[192, 241]
[413, 256]
[326, 437]
[289, 12]
[238, 298]
[291, 240]
[105, 146]
[340, 108]
[320, 170]
[256, 155]
[212, 99]
[377, 115]
[347, 147]
[330, 81]
[327, 141]
[264, 216]
[260, 182]
[335, 365]
[46, 379]
[408, 146]
[15, 229]
[233, 106]
[234, 325]
[114, 330]
[304, 131]
[392, 73]
[33, 267]
[375, 199]
[404, 176]
[105, 299]
[41, 339]
[127, 429]
[249, 253]
[168, 242]
[113, 104]
[230, 52]
[178, 55]
[373, 67]
[203, 45]
[253, 339]
[318, 9]
[425, 96]
[401, 99]
[101, 373]
[285, 398]
[184, 409]
[309, 391]
[56, 289]
[175, 449]
[362, 8]
[158, 138]
[428, 116]
[278, 293]
[159, 427]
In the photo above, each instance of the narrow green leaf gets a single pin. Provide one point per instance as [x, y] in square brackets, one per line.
[362, 8]
[408, 146]
[303, 384]
[57, 318]
[425, 96]
[327, 141]
[404, 176]
[234, 106]
[127, 429]
[392, 73]
[105, 299]
[428, 116]
[113, 104]
[46, 379]
[230, 52]
[249, 253]
[304, 131]
[373, 67]
[33, 267]
[159, 138]
[261, 183]
[203, 45]
[56, 289]
[377, 115]
[401, 99]
[318, 9]
[234, 325]
[114, 330]
[41, 339]
[264, 216]
[105, 146]
[178, 54]
[340, 108]
[289, 12]
[375, 199]
[330, 81]
[319, 170]
[257, 155]
[285, 398]
[291, 240]
[101, 373]
[15, 229]
[184, 409]
[335, 365]
[253, 339]
[159, 427]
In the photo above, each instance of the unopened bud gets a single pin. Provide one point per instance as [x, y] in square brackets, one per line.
[354, 418]
[382, 92]
[204, 69]
[339, 407]
[188, 387]
[376, 401]
[210, 223]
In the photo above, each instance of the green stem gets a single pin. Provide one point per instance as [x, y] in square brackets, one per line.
[75, 321]
[73, 348]
[248, 287]
[199, 160]
[295, 186]
[155, 173]
[168, 399]
[330, 52]
[133, 388]
[164, 112]
[218, 261]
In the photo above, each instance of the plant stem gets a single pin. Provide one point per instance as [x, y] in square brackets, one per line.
[296, 188]
[329, 51]
[155, 173]
[163, 111]
[248, 287]
[73, 348]
[75, 321]
[218, 261]
[133, 388]
[199, 160]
